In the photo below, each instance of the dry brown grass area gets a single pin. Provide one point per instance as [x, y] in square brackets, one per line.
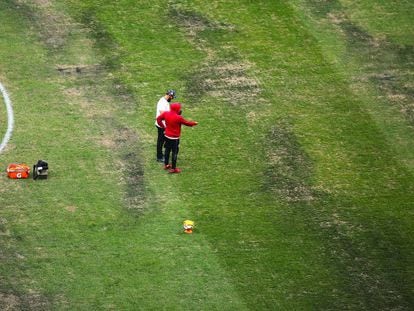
[390, 67]
[54, 26]
[289, 167]
[32, 301]
[228, 79]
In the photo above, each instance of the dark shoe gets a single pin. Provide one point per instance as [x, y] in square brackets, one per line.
[174, 171]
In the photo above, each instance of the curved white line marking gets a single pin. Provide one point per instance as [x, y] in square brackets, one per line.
[10, 118]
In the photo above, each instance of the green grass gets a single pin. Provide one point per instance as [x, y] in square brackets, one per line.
[299, 175]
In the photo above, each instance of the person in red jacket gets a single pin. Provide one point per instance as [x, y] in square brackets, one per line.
[173, 121]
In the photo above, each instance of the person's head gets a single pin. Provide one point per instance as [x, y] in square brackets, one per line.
[176, 107]
[169, 95]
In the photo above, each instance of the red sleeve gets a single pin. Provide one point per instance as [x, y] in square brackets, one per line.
[188, 122]
[160, 118]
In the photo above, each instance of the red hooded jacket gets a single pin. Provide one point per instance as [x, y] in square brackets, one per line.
[173, 121]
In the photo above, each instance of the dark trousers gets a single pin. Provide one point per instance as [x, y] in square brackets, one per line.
[171, 146]
[160, 142]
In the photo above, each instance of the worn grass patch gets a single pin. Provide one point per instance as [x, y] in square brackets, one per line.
[12, 301]
[195, 24]
[54, 27]
[228, 81]
[100, 99]
[290, 169]
[225, 77]
[383, 62]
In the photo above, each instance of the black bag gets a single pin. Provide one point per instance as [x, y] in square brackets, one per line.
[40, 170]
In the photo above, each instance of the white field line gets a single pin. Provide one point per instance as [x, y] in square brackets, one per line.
[10, 117]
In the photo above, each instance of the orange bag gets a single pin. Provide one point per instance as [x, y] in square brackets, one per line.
[18, 171]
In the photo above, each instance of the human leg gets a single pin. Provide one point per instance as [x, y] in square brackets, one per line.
[160, 143]
[168, 148]
[175, 149]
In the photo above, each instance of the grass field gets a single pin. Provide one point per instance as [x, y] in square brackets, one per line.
[299, 175]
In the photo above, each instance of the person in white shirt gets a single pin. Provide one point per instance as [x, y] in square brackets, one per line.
[162, 106]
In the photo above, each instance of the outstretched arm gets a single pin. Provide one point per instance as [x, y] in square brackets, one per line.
[188, 122]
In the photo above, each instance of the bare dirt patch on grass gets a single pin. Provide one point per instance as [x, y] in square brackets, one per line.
[386, 65]
[54, 26]
[3, 227]
[228, 81]
[226, 78]
[14, 302]
[9, 302]
[100, 100]
[71, 208]
[80, 69]
[195, 23]
[289, 168]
